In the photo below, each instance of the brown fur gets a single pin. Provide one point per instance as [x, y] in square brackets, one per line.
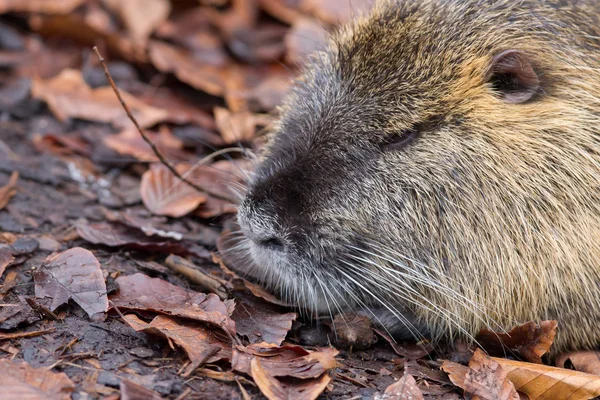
[490, 218]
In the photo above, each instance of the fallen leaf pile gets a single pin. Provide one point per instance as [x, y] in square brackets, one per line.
[113, 284]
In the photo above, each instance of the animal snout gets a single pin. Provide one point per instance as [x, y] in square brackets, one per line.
[259, 223]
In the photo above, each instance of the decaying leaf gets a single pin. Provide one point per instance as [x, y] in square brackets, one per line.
[586, 361]
[201, 345]
[235, 127]
[22, 381]
[353, 330]
[140, 292]
[274, 389]
[130, 142]
[132, 391]
[288, 360]
[259, 321]
[73, 274]
[120, 235]
[405, 389]
[410, 351]
[165, 194]
[9, 190]
[69, 96]
[531, 341]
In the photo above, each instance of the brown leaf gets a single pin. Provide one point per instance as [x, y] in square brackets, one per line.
[73, 274]
[140, 292]
[130, 142]
[133, 391]
[140, 17]
[167, 58]
[488, 380]
[40, 6]
[287, 360]
[586, 361]
[9, 190]
[305, 37]
[353, 330]
[337, 11]
[201, 345]
[165, 194]
[6, 258]
[22, 381]
[120, 235]
[286, 11]
[405, 389]
[529, 340]
[235, 127]
[549, 383]
[275, 389]
[456, 372]
[259, 321]
[69, 96]
[410, 351]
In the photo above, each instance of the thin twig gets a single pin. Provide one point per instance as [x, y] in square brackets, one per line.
[155, 149]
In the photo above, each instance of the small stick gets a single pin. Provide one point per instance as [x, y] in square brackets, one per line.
[191, 272]
[155, 149]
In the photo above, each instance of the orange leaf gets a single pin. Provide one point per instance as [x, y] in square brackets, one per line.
[586, 361]
[165, 194]
[9, 190]
[21, 381]
[488, 380]
[405, 388]
[275, 389]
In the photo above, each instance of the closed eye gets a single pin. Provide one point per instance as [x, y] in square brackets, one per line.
[400, 140]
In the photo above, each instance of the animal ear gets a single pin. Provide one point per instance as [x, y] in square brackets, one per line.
[513, 77]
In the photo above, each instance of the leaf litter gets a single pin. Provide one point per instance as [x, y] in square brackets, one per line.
[84, 207]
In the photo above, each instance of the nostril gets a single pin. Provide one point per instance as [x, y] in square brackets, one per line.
[272, 243]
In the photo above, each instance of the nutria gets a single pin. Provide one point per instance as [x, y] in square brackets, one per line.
[439, 166]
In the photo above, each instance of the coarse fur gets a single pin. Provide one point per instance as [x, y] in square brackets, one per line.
[489, 216]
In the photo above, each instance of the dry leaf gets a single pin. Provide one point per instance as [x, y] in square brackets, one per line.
[167, 58]
[133, 391]
[586, 361]
[337, 11]
[410, 351]
[305, 38]
[531, 341]
[130, 142]
[541, 382]
[259, 321]
[40, 6]
[235, 127]
[405, 389]
[73, 274]
[6, 258]
[201, 345]
[353, 330]
[120, 235]
[165, 194]
[275, 389]
[9, 190]
[287, 360]
[22, 381]
[140, 292]
[69, 96]
[140, 17]
[487, 380]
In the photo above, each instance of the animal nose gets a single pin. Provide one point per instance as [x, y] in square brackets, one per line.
[258, 224]
[272, 243]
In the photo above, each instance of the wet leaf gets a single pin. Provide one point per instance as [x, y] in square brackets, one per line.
[9, 190]
[140, 292]
[41, 6]
[259, 321]
[201, 345]
[165, 194]
[531, 341]
[141, 17]
[285, 361]
[274, 389]
[69, 96]
[405, 389]
[167, 58]
[120, 235]
[22, 381]
[585, 361]
[73, 274]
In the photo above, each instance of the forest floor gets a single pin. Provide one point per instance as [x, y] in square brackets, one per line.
[111, 282]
